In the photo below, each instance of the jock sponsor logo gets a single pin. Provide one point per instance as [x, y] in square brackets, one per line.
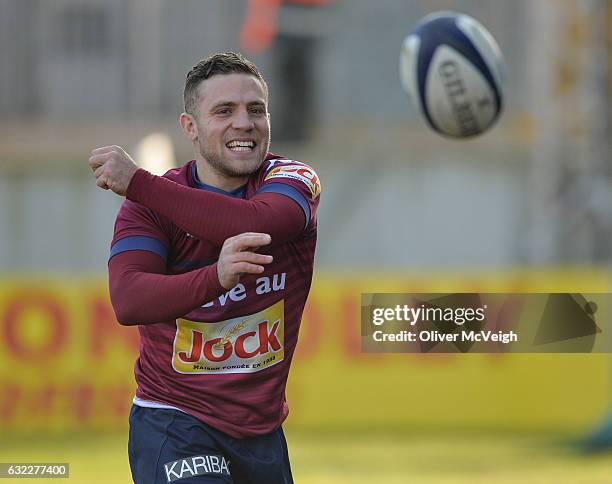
[240, 345]
[302, 173]
[199, 465]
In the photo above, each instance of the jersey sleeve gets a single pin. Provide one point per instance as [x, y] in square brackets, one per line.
[140, 228]
[215, 217]
[295, 180]
[141, 292]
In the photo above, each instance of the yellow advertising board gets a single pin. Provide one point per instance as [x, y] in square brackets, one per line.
[66, 364]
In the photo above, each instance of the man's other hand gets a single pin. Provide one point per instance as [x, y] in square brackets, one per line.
[238, 256]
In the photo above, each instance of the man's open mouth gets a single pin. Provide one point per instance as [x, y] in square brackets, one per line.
[241, 145]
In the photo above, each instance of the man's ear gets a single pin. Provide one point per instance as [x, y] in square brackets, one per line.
[188, 126]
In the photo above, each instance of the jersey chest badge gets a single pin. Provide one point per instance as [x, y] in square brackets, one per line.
[240, 345]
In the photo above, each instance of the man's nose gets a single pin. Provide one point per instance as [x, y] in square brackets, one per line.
[242, 120]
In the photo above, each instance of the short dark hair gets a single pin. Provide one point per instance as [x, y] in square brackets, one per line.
[220, 63]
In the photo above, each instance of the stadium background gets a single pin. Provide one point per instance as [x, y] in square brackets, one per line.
[526, 208]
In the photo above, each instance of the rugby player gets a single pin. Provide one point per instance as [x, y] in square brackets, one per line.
[213, 262]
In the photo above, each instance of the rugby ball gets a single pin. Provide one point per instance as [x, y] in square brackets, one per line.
[453, 71]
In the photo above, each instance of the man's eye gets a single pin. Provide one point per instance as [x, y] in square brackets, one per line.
[224, 111]
[258, 111]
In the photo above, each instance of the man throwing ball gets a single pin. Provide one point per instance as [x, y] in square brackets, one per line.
[213, 262]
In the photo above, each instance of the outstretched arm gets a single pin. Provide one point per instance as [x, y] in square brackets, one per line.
[206, 215]
[214, 217]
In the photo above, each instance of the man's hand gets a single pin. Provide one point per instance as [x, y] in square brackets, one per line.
[113, 168]
[238, 257]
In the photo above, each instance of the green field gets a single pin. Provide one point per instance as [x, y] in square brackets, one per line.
[354, 458]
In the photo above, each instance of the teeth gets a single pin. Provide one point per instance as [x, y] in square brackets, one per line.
[240, 145]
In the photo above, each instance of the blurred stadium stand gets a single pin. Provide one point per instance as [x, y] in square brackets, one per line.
[536, 190]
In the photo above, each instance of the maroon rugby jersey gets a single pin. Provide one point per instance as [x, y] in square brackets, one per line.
[226, 362]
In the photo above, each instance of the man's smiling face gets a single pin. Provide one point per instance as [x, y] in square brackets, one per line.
[233, 123]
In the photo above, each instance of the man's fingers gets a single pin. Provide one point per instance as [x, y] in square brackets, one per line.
[238, 257]
[99, 171]
[97, 160]
[101, 182]
[247, 268]
[249, 240]
[106, 149]
[240, 236]
[253, 258]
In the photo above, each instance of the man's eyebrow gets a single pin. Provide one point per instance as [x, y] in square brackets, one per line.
[223, 104]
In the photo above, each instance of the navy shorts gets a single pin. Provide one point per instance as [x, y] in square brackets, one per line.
[170, 446]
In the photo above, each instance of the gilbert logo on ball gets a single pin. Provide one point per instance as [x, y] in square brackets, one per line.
[453, 70]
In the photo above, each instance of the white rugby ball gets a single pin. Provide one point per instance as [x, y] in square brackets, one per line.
[453, 70]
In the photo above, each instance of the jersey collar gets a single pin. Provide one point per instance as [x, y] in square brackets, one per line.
[237, 193]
